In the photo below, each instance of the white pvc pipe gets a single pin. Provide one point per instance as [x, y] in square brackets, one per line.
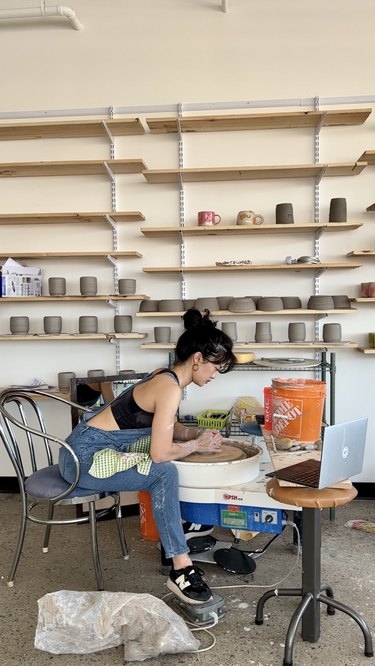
[32, 12]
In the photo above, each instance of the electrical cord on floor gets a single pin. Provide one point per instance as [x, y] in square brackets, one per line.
[196, 628]
[287, 523]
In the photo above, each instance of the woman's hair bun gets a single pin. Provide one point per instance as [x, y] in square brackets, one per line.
[194, 318]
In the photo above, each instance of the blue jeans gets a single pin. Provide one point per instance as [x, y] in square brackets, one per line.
[161, 482]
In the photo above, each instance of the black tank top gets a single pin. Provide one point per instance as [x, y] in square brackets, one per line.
[127, 413]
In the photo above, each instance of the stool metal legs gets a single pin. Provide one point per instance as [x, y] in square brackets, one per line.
[313, 593]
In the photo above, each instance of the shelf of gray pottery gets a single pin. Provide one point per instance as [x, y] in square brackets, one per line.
[32, 337]
[242, 346]
[256, 313]
[78, 297]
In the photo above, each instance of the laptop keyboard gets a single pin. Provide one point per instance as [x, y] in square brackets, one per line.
[308, 477]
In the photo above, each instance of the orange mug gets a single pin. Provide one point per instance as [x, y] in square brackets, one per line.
[208, 218]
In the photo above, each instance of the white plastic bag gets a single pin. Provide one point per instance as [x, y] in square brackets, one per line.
[72, 622]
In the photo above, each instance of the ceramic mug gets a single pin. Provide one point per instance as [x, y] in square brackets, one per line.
[123, 323]
[88, 285]
[52, 325]
[230, 329]
[249, 217]
[88, 324]
[162, 333]
[337, 210]
[63, 379]
[127, 286]
[332, 332]
[96, 373]
[208, 218]
[57, 286]
[19, 325]
[297, 331]
[263, 331]
[284, 213]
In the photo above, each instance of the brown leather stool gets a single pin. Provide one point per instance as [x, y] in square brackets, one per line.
[313, 592]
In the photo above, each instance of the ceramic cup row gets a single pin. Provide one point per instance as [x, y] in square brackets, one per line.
[86, 324]
[246, 303]
[63, 378]
[296, 331]
[88, 286]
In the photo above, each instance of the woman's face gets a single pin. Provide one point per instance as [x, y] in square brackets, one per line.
[207, 371]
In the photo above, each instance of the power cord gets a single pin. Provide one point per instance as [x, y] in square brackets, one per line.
[286, 523]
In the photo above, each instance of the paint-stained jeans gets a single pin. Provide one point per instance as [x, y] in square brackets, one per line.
[161, 482]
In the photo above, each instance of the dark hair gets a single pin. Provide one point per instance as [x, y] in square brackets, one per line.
[201, 335]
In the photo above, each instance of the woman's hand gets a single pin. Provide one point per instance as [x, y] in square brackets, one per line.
[208, 442]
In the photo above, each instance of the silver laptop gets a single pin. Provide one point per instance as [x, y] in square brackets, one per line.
[342, 457]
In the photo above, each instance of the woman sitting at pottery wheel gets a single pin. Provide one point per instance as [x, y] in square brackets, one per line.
[130, 443]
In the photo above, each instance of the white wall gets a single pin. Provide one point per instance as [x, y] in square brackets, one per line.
[154, 53]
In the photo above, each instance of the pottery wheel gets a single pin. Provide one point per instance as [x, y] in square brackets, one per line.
[227, 453]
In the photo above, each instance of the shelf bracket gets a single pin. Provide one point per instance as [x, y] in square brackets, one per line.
[319, 232]
[109, 171]
[108, 131]
[111, 221]
[112, 303]
[320, 175]
[319, 272]
[111, 259]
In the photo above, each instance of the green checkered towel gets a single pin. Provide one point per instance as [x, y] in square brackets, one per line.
[108, 462]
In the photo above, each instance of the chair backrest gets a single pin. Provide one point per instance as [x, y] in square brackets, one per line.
[24, 433]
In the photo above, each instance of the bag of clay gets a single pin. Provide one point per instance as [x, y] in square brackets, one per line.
[72, 622]
[246, 408]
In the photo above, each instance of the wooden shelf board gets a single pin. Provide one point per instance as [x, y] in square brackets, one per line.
[254, 313]
[241, 346]
[361, 253]
[251, 267]
[244, 230]
[368, 156]
[66, 129]
[371, 208]
[47, 255]
[69, 298]
[363, 299]
[68, 218]
[364, 350]
[258, 121]
[70, 168]
[205, 174]
[73, 336]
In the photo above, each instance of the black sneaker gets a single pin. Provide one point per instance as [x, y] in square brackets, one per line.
[188, 585]
[196, 529]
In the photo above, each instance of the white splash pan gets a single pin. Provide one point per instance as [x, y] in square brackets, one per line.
[221, 474]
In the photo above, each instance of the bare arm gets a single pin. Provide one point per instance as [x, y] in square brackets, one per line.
[164, 429]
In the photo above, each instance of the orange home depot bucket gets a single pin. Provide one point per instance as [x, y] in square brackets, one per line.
[297, 408]
[146, 518]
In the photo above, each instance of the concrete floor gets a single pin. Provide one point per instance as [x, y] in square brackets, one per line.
[348, 564]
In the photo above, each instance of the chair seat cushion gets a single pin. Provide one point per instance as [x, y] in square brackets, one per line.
[48, 482]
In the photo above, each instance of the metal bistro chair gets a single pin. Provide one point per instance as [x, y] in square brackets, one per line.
[28, 445]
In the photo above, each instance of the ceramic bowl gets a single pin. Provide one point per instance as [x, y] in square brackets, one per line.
[211, 304]
[148, 306]
[320, 302]
[341, 301]
[270, 303]
[171, 305]
[291, 302]
[244, 304]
